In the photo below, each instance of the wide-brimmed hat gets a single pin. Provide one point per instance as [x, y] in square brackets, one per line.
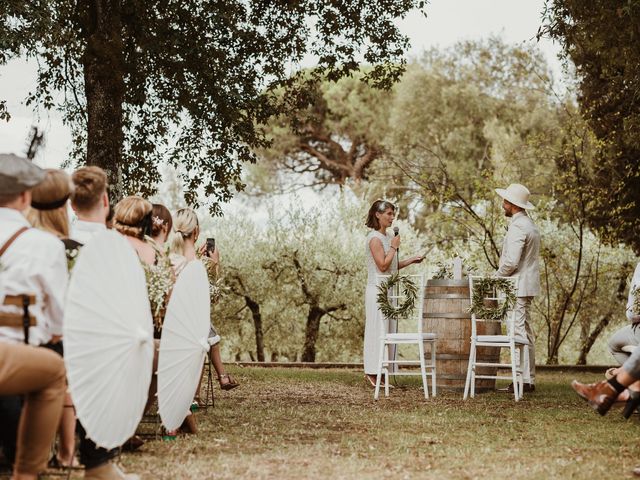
[516, 194]
[18, 174]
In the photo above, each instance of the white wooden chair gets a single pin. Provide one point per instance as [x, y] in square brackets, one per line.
[418, 337]
[518, 347]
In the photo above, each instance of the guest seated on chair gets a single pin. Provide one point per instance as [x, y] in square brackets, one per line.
[33, 264]
[39, 375]
[48, 212]
[629, 334]
[602, 395]
[91, 204]
[133, 218]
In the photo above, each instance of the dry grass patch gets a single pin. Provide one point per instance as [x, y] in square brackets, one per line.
[291, 424]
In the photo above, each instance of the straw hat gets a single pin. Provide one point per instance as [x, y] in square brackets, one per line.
[516, 194]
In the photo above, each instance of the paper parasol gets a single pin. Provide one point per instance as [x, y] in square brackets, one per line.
[183, 344]
[108, 339]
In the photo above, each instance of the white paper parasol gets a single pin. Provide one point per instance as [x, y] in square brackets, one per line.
[183, 344]
[108, 339]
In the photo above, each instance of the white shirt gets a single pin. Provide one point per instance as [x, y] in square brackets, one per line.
[35, 263]
[83, 231]
[635, 283]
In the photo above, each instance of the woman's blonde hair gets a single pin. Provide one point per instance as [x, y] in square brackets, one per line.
[48, 209]
[132, 216]
[185, 222]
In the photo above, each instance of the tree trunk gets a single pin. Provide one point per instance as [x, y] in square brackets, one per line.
[311, 333]
[257, 325]
[591, 339]
[103, 61]
[552, 344]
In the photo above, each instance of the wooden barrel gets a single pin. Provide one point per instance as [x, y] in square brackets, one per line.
[446, 312]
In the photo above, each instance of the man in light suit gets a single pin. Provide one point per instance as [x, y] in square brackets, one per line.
[520, 257]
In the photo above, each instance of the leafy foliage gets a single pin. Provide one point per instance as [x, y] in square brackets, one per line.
[338, 137]
[602, 39]
[190, 81]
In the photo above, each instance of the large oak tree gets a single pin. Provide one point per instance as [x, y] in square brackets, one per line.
[189, 81]
[602, 39]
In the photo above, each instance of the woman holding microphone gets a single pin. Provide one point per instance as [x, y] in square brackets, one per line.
[382, 259]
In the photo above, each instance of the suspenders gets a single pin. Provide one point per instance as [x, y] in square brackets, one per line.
[23, 301]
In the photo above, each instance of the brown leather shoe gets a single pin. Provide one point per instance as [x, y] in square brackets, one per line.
[600, 395]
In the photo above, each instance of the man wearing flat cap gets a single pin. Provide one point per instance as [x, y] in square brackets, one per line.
[33, 261]
[520, 257]
[32, 264]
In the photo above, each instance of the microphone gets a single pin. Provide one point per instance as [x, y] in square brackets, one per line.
[396, 231]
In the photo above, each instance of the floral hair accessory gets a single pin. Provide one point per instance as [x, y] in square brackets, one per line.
[157, 221]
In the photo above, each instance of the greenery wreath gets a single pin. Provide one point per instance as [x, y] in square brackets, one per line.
[488, 288]
[409, 290]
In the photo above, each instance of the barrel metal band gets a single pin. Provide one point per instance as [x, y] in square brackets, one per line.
[448, 283]
[458, 315]
[456, 296]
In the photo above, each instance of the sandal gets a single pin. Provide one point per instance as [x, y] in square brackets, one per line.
[229, 384]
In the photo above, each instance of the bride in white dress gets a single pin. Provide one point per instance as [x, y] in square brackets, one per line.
[381, 249]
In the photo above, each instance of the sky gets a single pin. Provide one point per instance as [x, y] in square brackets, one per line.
[447, 22]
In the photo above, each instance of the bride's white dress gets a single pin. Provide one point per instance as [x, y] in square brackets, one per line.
[373, 319]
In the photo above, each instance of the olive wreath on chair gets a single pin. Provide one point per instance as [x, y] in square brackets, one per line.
[410, 291]
[484, 288]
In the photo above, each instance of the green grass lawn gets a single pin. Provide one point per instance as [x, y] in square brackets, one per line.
[292, 424]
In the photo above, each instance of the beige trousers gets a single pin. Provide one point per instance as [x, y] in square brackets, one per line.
[39, 375]
[524, 329]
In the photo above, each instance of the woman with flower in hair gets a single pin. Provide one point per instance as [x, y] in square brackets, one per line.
[132, 217]
[381, 249]
[186, 230]
[161, 223]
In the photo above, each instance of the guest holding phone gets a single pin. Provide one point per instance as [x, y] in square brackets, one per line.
[186, 230]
